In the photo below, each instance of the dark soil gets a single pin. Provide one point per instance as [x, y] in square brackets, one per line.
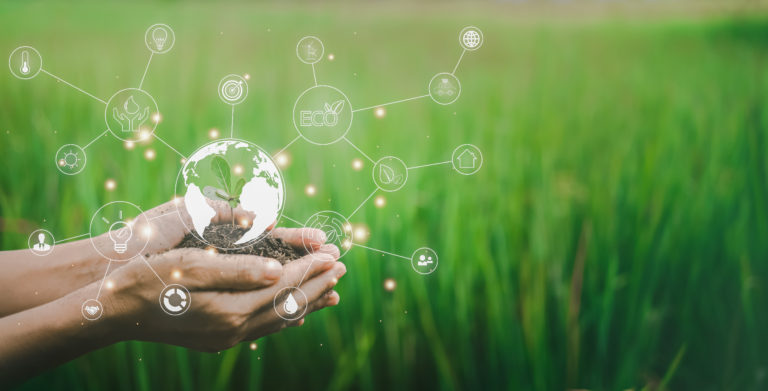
[223, 236]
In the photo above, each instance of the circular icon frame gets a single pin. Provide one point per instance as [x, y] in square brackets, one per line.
[62, 160]
[14, 71]
[31, 244]
[300, 311]
[117, 236]
[466, 148]
[149, 38]
[341, 230]
[415, 261]
[319, 57]
[464, 31]
[168, 292]
[444, 76]
[87, 315]
[347, 106]
[150, 115]
[378, 168]
[233, 81]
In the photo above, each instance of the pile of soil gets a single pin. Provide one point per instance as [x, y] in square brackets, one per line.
[223, 236]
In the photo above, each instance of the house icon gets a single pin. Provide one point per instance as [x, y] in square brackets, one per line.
[467, 159]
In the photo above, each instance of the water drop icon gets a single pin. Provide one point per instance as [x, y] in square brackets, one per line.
[290, 306]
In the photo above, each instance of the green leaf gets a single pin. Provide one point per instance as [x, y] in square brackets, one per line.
[238, 188]
[221, 170]
[215, 193]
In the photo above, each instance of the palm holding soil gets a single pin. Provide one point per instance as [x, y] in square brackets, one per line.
[232, 294]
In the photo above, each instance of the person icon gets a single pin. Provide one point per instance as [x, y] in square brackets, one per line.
[41, 245]
[132, 116]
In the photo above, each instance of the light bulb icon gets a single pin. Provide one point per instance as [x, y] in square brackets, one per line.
[24, 62]
[120, 233]
[159, 35]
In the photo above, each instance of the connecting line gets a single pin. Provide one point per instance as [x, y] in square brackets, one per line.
[391, 103]
[289, 144]
[146, 69]
[72, 238]
[458, 62]
[381, 251]
[71, 85]
[314, 75]
[293, 220]
[143, 258]
[168, 145]
[362, 203]
[96, 138]
[232, 124]
[359, 150]
[102, 280]
[429, 165]
[175, 212]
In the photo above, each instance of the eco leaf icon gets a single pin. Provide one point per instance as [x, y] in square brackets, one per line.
[338, 106]
[386, 174]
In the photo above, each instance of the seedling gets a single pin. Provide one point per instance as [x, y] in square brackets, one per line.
[227, 191]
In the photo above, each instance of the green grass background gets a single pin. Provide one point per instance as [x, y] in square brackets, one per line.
[616, 236]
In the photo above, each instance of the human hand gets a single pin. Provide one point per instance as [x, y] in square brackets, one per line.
[232, 295]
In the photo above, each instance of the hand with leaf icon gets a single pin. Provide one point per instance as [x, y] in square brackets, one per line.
[227, 192]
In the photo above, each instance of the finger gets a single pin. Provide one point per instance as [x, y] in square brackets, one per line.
[330, 249]
[200, 270]
[316, 287]
[329, 299]
[306, 238]
[304, 269]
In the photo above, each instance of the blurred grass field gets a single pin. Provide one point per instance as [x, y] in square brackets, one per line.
[616, 236]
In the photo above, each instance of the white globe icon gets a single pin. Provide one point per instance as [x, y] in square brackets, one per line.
[261, 194]
[471, 38]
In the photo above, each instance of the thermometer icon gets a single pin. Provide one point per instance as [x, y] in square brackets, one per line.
[24, 62]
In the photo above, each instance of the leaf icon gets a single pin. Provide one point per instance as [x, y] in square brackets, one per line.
[327, 108]
[386, 174]
[338, 106]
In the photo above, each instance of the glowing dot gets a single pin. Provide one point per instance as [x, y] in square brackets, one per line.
[144, 135]
[253, 346]
[331, 57]
[150, 154]
[310, 190]
[109, 284]
[380, 201]
[156, 118]
[380, 112]
[283, 159]
[247, 76]
[348, 227]
[183, 160]
[357, 164]
[390, 284]
[361, 233]
[62, 162]
[147, 231]
[213, 133]
[129, 145]
[110, 184]
[237, 169]
[211, 251]
[346, 244]
[176, 200]
[176, 274]
[245, 223]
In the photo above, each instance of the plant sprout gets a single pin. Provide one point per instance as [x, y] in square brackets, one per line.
[227, 191]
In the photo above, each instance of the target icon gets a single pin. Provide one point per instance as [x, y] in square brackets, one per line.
[233, 89]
